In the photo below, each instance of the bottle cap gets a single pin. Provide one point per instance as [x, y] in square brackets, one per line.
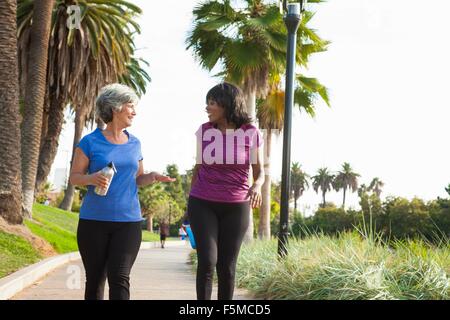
[111, 165]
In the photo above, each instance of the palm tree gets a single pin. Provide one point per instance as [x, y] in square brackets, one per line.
[81, 61]
[299, 181]
[270, 114]
[149, 198]
[34, 99]
[323, 180]
[248, 44]
[346, 179]
[376, 186]
[10, 174]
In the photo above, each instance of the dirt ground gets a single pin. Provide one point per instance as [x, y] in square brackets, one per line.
[42, 246]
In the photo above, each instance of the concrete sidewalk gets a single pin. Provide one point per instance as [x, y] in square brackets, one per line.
[158, 274]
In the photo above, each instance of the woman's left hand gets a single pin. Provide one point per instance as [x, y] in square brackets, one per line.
[254, 194]
[161, 178]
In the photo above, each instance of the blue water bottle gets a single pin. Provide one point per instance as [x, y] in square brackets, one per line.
[191, 236]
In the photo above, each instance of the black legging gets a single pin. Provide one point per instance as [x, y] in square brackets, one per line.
[219, 229]
[108, 249]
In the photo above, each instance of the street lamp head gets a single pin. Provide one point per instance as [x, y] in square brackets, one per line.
[284, 7]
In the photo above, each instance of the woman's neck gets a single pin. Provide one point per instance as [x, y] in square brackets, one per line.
[113, 130]
[223, 125]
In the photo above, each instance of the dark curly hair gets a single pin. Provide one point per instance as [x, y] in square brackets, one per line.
[231, 98]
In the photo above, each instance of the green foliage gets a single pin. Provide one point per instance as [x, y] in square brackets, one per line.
[186, 182]
[15, 253]
[332, 220]
[395, 218]
[43, 192]
[175, 189]
[247, 43]
[407, 219]
[76, 204]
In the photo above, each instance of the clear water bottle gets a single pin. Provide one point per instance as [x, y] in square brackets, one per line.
[108, 172]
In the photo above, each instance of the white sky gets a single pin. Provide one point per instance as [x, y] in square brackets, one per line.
[387, 70]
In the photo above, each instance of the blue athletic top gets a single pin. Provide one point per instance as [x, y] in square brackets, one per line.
[121, 203]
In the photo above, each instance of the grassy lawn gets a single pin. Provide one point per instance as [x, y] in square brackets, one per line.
[15, 253]
[56, 226]
[149, 236]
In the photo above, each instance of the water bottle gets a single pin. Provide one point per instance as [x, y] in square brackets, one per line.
[108, 172]
[191, 236]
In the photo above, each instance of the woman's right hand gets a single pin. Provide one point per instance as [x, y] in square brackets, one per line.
[99, 180]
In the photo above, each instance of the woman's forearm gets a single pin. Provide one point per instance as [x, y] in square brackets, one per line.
[258, 175]
[80, 179]
[146, 179]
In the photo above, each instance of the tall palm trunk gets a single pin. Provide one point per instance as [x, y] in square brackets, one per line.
[295, 193]
[323, 199]
[343, 200]
[34, 99]
[49, 145]
[264, 213]
[80, 119]
[250, 101]
[10, 174]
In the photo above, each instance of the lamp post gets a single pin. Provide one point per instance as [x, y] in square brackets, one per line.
[292, 21]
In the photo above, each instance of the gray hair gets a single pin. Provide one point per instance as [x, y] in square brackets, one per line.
[111, 98]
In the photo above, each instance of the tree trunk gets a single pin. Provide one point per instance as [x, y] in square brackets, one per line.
[323, 197]
[10, 173]
[343, 201]
[80, 119]
[250, 101]
[264, 212]
[49, 144]
[150, 222]
[34, 99]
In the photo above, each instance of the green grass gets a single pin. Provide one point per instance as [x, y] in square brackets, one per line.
[15, 253]
[348, 267]
[149, 236]
[57, 217]
[56, 226]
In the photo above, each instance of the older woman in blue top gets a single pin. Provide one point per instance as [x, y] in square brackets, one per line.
[109, 231]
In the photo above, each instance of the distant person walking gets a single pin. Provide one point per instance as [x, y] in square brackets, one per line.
[109, 230]
[182, 233]
[220, 197]
[163, 233]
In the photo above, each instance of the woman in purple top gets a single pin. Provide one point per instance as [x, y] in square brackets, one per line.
[220, 197]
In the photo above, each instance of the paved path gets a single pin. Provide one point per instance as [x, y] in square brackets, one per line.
[158, 274]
